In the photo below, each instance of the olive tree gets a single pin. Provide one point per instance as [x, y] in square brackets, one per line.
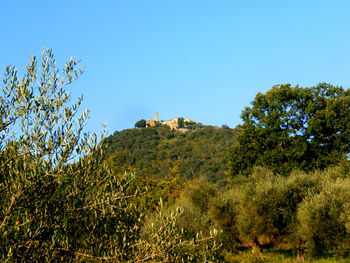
[323, 218]
[58, 199]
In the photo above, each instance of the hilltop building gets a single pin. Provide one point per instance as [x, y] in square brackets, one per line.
[152, 123]
[174, 123]
[178, 123]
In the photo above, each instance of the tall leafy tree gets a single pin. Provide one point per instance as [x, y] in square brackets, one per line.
[293, 127]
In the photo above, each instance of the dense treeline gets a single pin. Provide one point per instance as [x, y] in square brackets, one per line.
[304, 214]
[275, 189]
[307, 212]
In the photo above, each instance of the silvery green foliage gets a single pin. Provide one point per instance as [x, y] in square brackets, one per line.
[165, 242]
[323, 218]
[58, 199]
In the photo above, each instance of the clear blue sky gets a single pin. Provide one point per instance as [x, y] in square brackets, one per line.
[203, 60]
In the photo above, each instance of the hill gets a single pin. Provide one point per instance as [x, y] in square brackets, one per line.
[161, 153]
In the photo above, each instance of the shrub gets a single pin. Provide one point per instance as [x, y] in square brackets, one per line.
[323, 218]
[164, 241]
[223, 213]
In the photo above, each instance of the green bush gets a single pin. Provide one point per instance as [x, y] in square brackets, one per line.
[194, 201]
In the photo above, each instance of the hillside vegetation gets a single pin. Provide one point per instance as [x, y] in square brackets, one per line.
[160, 153]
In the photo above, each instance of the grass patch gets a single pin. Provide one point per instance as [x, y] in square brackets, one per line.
[288, 256]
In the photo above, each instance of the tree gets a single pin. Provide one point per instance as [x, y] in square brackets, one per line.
[268, 205]
[323, 218]
[293, 127]
[180, 122]
[58, 199]
[140, 124]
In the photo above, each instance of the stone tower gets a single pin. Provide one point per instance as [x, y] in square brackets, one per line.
[156, 117]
